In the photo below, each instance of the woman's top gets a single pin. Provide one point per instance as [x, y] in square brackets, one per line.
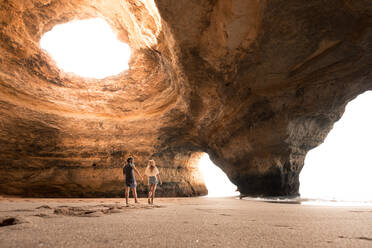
[151, 173]
[128, 172]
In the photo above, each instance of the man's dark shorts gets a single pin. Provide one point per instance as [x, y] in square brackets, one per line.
[131, 184]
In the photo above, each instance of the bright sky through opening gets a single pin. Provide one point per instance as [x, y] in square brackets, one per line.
[341, 168]
[88, 48]
[218, 184]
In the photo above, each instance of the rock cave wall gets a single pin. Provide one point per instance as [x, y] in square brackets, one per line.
[255, 84]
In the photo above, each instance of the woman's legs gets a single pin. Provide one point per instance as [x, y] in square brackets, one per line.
[150, 193]
[153, 193]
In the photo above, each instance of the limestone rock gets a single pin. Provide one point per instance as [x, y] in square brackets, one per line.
[255, 84]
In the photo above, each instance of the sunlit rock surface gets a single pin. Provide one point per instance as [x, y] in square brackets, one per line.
[255, 84]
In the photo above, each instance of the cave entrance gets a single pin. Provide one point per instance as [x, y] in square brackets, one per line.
[88, 48]
[341, 168]
[216, 181]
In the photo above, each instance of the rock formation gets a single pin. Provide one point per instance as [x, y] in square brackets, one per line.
[255, 84]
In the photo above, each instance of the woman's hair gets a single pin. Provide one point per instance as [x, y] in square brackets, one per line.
[151, 164]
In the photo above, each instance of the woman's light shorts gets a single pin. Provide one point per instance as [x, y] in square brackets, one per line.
[153, 180]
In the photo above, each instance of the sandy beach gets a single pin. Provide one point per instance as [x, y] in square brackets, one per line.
[180, 222]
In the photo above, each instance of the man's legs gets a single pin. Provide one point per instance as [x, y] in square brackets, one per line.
[134, 192]
[126, 194]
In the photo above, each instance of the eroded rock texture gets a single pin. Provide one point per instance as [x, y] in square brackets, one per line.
[255, 84]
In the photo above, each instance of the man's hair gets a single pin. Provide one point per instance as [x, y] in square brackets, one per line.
[129, 159]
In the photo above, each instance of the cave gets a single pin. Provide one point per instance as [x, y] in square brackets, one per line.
[254, 84]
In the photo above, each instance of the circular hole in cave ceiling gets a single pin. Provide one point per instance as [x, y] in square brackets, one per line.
[88, 48]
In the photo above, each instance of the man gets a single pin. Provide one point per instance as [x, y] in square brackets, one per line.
[130, 180]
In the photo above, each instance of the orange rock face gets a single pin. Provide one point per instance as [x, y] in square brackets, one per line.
[255, 84]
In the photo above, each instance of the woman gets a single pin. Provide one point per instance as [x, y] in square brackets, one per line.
[130, 180]
[153, 178]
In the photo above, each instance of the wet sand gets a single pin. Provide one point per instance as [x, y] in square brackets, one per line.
[180, 222]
